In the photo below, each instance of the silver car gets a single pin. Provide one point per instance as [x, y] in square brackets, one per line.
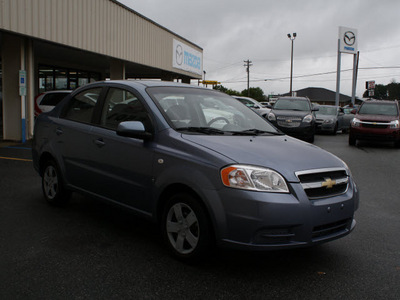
[330, 119]
[171, 153]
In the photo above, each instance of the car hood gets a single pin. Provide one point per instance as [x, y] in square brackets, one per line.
[292, 113]
[326, 117]
[282, 153]
[376, 118]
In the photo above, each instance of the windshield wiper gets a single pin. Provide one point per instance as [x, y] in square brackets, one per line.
[206, 130]
[255, 132]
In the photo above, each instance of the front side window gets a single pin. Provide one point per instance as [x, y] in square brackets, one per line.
[120, 106]
[81, 106]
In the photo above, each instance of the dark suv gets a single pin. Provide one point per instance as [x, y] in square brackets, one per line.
[295, 117]
[376, 121]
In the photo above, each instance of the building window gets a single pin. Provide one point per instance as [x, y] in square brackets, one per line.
[53, 78]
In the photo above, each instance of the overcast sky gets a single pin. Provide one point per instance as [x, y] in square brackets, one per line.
[232, 31]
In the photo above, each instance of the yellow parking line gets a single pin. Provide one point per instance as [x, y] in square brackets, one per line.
[13, 158]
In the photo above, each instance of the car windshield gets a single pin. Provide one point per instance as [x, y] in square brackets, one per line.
[327, 110]
[292, 104]
[386, 109]
[205, 111]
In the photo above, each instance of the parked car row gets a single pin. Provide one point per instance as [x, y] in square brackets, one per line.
[295, 116]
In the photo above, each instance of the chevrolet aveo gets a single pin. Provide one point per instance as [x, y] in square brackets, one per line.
[201, 164]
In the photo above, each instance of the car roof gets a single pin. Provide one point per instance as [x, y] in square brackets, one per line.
[146, 83]
[294, 98]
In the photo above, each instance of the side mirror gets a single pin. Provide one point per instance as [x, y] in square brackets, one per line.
[354, 111]
[315, 109]
[133, 129]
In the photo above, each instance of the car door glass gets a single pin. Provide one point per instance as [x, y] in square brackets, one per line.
[82, 105]
[120, 106]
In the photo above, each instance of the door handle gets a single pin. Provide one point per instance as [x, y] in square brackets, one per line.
[99, 142]
[59, 131]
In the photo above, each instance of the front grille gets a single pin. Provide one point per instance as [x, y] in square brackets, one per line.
[323, 183]
[375, 125]
[288, 121]
[330, 229]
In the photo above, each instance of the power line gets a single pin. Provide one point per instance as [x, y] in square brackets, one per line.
[316, 74]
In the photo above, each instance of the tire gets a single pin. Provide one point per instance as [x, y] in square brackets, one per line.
[186, 228]
[52, 186]
[352, 140]
[335, 129]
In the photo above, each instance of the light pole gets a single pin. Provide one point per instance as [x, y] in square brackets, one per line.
[291, 61]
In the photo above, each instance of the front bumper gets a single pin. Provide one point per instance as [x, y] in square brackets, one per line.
[325, 127]
[377, 134]
[303, 131]
[265, 221]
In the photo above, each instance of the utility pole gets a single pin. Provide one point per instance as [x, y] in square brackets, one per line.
[292, 38]
[247, 65]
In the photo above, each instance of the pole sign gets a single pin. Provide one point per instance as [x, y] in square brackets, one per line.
[22, 82]
[370, 86]
[186, 58]
[348, 40]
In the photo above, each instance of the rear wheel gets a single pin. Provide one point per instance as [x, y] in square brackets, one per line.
[53, 189]
[186, 228]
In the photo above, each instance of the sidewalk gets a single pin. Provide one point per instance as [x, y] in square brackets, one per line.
[13, 144]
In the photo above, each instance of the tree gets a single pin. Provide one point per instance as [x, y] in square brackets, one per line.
[223, 89]
[393, 89]
[385, 92]
[255, 93]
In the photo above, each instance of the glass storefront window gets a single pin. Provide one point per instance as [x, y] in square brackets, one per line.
[53, 78]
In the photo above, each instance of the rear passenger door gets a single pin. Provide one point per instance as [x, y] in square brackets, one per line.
[72, 136]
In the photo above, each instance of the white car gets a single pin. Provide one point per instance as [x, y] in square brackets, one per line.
[254, 105]
[46, 101]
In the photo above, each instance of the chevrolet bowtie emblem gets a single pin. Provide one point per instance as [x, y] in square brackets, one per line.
[328, 183]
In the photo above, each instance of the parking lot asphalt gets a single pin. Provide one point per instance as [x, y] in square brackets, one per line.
[91, 250]
[16, 150]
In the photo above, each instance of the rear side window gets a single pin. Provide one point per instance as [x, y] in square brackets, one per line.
[81, 107]
[53, 99]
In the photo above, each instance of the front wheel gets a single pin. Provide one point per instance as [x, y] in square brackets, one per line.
[352, 140]
[53, 189]
[335, 129]
[186, 228]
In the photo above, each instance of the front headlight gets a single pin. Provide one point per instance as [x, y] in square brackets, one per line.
[355, 122]
[394, 124]
[328, 121]
[308, 119]
[271, 117]
[253, 178]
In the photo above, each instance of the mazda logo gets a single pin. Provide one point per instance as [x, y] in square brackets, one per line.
[349, 38]
[179, 54]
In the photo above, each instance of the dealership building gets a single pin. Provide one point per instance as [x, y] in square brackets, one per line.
[59, 44]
